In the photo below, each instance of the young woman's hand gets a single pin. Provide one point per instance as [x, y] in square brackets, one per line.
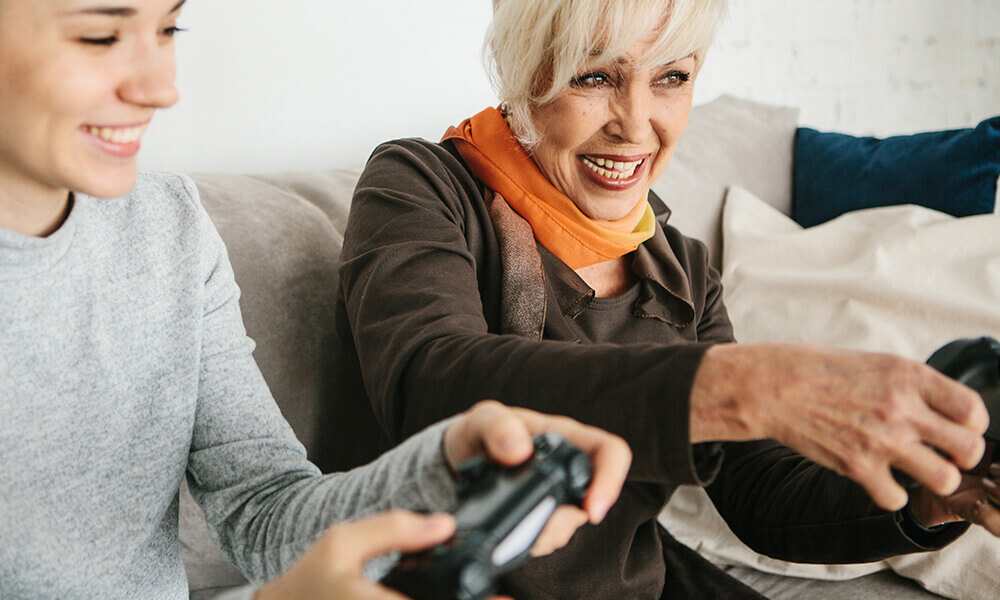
[505, 434]
[332, 568]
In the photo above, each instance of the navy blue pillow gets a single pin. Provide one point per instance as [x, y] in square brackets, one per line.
[950, 171]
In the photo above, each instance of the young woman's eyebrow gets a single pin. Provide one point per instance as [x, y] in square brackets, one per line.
[117, 11]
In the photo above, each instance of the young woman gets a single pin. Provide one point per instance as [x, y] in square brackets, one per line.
[124, 365]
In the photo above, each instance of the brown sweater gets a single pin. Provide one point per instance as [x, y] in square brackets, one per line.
[420, 308]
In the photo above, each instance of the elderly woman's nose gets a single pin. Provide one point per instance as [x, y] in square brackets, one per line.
[149, 79]
[632, 114]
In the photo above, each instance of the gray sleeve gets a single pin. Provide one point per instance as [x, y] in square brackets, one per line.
[263, 501]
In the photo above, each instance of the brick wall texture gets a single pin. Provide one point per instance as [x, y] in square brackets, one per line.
[862, 66]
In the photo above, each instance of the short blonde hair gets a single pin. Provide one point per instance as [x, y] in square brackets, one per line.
[535, 47]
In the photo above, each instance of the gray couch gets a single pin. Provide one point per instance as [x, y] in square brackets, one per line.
[284, 234]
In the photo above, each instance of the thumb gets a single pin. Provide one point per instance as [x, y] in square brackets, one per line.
[350, 545]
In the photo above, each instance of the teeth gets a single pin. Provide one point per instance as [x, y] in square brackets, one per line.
[615, 169]
[117, 135]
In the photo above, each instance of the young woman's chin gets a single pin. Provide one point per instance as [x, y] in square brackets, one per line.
[107, 182]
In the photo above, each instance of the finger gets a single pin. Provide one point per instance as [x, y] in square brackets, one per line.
[957, 402]
[491, 428]
[963, 445]
[610, 458]
[882, 487]
[505, 437]
[559, 530]
[351, 544]
[929, 468]
[992, 490]
[360, 588]
[973, 505]
[611, 462]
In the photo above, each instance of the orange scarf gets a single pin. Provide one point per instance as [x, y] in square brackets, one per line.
[497, 159]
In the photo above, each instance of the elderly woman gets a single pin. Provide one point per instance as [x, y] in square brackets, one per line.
[524, 258]
[124, 365]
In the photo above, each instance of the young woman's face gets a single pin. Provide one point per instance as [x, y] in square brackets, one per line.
[79, 83]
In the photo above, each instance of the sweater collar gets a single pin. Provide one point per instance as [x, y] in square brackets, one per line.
[24, 255]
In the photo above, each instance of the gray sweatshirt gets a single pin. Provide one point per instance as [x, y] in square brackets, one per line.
[125, 367]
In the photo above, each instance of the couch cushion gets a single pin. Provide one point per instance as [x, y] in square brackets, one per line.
[728, 141]
[283, 234]
[954, 172]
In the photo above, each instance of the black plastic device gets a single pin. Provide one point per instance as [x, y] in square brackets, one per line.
[501, 511]
[976, 363]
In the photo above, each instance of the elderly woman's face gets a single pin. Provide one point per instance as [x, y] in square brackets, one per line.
[79, 82]
[609, 135]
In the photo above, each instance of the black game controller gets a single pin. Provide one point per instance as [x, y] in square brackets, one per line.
[976, 363]
[501, 512]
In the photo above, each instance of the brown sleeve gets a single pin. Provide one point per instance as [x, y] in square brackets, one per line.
[780, 503]
[417, 251]
[785, 506]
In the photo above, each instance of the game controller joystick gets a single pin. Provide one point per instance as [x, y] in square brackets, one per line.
[500, 514]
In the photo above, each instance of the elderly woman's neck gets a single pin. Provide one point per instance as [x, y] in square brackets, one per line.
[609, 279]
[32, 209]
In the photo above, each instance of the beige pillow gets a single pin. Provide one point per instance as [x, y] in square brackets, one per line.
[728, 140]
[900, 279]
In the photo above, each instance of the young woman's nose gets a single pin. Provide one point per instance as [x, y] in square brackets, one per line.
[149, 81]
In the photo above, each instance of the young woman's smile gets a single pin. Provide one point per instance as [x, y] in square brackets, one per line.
[121, 141]
[80, 81]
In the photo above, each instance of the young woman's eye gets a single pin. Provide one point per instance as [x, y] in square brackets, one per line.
[173, 30]
[676, 78]
[594, 79]
[99, 41]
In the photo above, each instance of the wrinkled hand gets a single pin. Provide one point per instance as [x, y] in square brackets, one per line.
[332, 568]
[505, 435]
[860, 414]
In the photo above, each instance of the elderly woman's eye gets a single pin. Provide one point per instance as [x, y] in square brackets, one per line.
[676, 78]
[591, 80]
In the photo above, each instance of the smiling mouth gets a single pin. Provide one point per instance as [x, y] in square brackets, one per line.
[612, 170]
[117, 135]
[119, 142]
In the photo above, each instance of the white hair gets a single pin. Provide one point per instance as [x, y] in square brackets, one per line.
[535, 47]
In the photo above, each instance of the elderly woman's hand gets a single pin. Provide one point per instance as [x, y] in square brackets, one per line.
[860, 414]
[505, 435]
[977, 501]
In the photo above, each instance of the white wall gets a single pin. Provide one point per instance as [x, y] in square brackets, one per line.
[306, 84]
[863, 66]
